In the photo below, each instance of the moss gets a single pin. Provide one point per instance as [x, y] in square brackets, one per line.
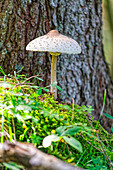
[37, 116]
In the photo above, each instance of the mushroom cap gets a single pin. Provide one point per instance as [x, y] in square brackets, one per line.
[53, 41]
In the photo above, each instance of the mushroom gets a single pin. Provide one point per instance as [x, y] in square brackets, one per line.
[54, 43]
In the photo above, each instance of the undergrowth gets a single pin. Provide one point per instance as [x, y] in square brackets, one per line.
[67, 131]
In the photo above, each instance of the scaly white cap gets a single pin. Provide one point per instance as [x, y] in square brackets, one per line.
[53, 41]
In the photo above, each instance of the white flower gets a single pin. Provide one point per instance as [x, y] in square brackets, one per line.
[48, 139]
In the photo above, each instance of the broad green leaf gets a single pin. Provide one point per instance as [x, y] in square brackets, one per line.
[73, 142]
[71, 131]
[109, 116]
[61, 129]
[112, 129]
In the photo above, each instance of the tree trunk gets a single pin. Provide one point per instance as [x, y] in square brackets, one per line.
[83, 77]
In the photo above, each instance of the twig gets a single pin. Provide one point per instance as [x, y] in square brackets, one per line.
[14, 128]
[20, 84]
[26, 80]
[30, 78]
[90, 143]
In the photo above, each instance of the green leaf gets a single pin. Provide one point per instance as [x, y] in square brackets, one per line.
[40, 79]
[109, 116]
[66, 107]
[61, 129]
[112, 129]
[1, 70]
[39, 92]
[59, 88]
[72, 130]
[35, 87]
[73, 142]
[13, 166]
[47, 90]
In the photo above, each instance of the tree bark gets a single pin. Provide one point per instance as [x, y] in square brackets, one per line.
[83, 77]
[31, 158]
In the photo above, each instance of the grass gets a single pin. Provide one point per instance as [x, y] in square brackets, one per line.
[30, 113]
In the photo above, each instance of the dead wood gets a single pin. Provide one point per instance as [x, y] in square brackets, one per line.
[31, 158]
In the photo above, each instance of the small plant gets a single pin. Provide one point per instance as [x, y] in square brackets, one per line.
[66, 134]
[96, 164]
[29, 114]
[110, 117]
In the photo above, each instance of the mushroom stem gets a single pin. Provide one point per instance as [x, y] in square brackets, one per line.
[53, 75]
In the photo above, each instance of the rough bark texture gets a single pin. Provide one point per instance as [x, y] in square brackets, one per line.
[83, 77]
[31, 158]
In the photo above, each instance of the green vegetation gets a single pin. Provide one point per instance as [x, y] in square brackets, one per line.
[30, 113]
[108, 32]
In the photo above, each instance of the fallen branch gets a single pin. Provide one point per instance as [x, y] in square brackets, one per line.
[31, 158]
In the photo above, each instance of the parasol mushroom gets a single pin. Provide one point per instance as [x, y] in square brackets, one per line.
[54, 43]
